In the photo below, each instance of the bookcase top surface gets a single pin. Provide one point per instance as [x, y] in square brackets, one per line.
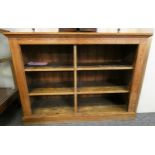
[73, 34]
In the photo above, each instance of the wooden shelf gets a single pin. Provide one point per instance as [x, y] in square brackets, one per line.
[102, 90]
[48, 68]
[82, 90]
[102, 109]
[51, 91]
[105, 67]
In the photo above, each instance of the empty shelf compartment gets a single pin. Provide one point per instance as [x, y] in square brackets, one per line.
[102, 103]
[52, 105]
[50, 83]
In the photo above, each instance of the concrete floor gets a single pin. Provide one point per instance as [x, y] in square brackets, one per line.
[13, 117]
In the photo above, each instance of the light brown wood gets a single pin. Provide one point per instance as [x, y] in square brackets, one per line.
[81, 64]
[77, 38]
[54, 34]
[48, 68]
[102, 90]
[138, 73]
[87, 110]
[20, 77]
[51, 91]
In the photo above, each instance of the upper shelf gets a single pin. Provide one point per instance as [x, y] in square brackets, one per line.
[48, 68]
[105, 67]
[79, 68]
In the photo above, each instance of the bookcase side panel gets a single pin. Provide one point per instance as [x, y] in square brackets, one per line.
[138, 75]
[20, 76]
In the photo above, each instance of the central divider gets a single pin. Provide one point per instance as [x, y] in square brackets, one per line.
[75, 78]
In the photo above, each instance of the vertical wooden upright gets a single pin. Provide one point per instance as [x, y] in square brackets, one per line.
[137, 79]
[20, 77]
[75, 78]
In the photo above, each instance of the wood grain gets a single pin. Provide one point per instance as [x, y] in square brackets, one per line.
[140, 65]
[108, 67]
[78, 117]
[75, 79]
[81, 64]
[48, 68]
[20, 77]
[51, 91]
[7, 96]
[102, 90]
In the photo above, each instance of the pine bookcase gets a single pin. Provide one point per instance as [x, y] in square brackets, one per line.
[89, 76]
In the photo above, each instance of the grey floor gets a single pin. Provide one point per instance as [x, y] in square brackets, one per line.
[13, 117]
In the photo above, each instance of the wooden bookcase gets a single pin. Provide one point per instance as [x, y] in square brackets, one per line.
[89, 76]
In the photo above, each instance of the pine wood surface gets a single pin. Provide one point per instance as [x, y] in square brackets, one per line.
[79, 64]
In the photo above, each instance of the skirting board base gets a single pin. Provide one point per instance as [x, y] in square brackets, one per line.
[77, 118]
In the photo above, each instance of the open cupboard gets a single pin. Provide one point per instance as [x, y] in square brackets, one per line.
[87, 76]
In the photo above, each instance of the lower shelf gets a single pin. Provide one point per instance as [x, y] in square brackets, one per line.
[90, 107]
[87, 104]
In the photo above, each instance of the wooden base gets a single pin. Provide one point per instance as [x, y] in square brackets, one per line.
[78, 117]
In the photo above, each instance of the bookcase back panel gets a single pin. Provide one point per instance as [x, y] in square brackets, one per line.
[49, 79]
[104, 78]
[106, 54]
